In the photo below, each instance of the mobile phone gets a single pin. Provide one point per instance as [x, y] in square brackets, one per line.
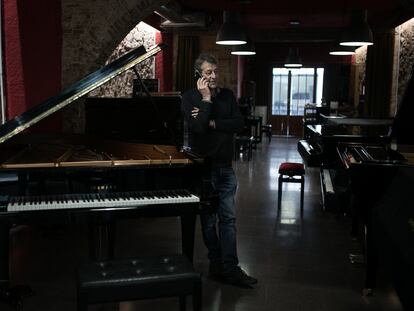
[197, 74]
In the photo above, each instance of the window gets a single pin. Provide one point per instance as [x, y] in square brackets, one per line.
[306, 83]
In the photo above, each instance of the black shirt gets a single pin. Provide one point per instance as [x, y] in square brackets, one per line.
[214, 143]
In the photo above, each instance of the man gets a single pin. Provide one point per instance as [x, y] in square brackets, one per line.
[213, 118]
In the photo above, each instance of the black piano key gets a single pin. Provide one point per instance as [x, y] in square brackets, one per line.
[127, 196]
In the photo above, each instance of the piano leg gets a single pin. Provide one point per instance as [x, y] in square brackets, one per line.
[10, 295]
[357, 256]
[371, 263]
[102, 240]
[188, 222]
[4, 256]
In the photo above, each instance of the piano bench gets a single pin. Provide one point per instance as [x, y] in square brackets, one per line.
[290, 172]
[243, 145]
[138, 278]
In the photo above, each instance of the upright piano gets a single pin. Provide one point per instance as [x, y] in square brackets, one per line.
[319, 146]
[370, 153]
[371, 169]
[131, 169]
[393, 234]
[318, 149]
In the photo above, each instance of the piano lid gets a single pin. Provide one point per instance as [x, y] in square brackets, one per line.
[75, 91]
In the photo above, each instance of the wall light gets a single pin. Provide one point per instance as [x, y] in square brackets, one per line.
[231, 33]
[358, 32]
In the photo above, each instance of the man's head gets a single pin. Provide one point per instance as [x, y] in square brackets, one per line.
[206, 65]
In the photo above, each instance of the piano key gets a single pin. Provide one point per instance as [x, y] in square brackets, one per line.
[98, 200]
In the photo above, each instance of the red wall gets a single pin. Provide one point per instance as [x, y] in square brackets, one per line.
[163, 62]
[32, 54]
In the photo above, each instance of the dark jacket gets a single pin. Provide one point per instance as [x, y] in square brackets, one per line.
[216, 144]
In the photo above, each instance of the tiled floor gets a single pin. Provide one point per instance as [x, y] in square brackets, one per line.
[301, 263]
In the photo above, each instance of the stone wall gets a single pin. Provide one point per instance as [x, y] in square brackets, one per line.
[406, 55]
[358, 75]
[91, 32]
[122, 85]
[403, 64]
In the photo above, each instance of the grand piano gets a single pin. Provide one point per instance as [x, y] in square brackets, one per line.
[129, 168]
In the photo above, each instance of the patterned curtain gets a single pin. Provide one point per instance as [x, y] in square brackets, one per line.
[378, 77]
[188, 49]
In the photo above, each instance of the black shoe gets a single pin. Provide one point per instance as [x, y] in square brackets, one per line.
[216, 269]
[238, 277]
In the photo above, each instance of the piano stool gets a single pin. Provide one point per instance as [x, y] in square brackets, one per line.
[138, 278]
[267, 128]
[243, 145]
[291, 172]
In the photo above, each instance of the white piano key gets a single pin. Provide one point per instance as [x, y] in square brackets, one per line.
[101, 201]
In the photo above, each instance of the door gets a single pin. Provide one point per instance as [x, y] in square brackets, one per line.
[292, 89]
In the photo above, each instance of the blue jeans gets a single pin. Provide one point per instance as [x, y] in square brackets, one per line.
[221, 243]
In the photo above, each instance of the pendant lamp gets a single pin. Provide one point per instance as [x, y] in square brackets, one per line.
[358, 32]
[244, 49]
[231, 32]
[293, 59]
[342, 50]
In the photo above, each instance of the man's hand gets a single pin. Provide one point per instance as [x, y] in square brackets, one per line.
[202, 87]
[194, 112]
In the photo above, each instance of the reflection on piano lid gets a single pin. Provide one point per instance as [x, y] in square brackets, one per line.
[357, 121]
[360, 154]
[75, 91]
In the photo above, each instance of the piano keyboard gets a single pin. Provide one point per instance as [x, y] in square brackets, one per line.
[99, 200]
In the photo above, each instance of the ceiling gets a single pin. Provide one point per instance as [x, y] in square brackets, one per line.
[318, 20]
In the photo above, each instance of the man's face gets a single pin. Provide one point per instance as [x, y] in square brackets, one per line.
[210, 73]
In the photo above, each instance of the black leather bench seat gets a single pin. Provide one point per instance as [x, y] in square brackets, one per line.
[138, 278]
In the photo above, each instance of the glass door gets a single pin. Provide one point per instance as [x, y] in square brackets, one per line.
[292, 89]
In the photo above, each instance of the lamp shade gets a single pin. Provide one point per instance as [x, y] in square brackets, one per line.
[342, 50]
[231, 33]
[358, 32]
[244, 49]
[293, 59]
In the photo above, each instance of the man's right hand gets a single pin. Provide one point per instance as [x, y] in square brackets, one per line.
[202, 87]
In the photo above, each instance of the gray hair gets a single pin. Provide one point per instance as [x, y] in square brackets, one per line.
[204, 57]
